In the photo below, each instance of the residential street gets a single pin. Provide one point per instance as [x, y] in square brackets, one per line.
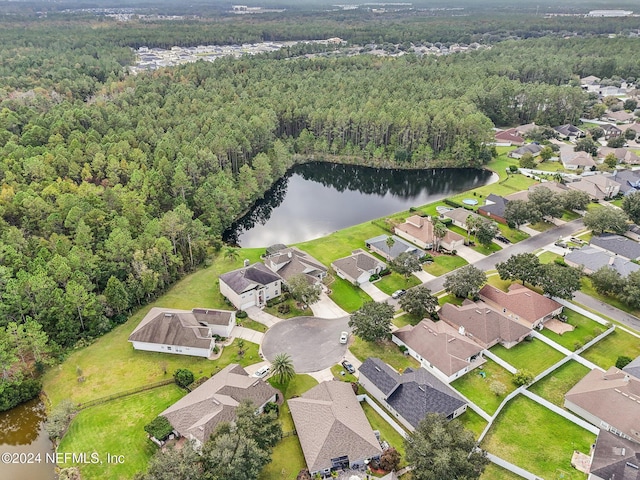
[612, 312]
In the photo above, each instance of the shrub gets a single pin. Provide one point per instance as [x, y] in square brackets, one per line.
[241, 314]
[513, 168]
[385, 272]
[498, 388]
[560, 261]
[183, 377]
[59, 419]
[623, 361]
[426, 258]
[160, 428]
[271, 407]
[390, 459]
[284, 308]
[523, 377]
[374, 277]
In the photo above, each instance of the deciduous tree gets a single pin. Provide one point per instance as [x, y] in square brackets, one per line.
[419, 301]
[524, 267]
[372, 322]
[606, 219]
[465, 282]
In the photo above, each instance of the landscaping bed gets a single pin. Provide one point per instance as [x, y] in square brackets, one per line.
[534, 356]
[554, 386]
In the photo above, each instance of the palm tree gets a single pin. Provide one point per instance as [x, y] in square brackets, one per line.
[282, 367]
[439, 231]
[390, 243]
[231, 253]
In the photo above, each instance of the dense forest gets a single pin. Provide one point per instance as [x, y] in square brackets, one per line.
[113, 186]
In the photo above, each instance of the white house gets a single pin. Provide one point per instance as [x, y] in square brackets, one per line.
[250, 286]
[358, 267]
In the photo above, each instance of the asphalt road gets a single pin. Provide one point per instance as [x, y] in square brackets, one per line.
[608, 310]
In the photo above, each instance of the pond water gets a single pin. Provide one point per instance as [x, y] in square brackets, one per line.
[318, 198]
[23, 439]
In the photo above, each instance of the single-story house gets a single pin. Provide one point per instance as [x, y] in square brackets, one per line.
[528, 307]
[555, 187]
[509, 136]
[196, 415]
[609, 400]
[622, 154]
[419, 230]
[614, 458]
[590, 80]
[412, 395]
[610, 131]
[629, 180]
[333, 430]
[358, 267]
[633, 368]
[182, 332]
[459, 217]
[290, 261]
[532, 148]
[590, 259]
[632, 126]
[572, 160]
[524, 130]
[598, 187]
[619, 117]
[621, 246]
[494, 208]
[250, 286]
[484, 324]
[569, 132]
[440, 348]
[380, 246]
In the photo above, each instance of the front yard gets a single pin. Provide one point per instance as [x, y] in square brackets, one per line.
[394, 281]
[585, 330]
[476, 387]
[443, 264]
[617, 343]
[554, 386]
[347, 296]
[534, 356]
[536, 439]
[387, 351]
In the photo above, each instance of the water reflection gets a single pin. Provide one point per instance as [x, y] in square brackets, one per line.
[20, 425]
[318, 198]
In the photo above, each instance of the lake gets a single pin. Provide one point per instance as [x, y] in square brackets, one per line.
[23, 437]
[318, 198]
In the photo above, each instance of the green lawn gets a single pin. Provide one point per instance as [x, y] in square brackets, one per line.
[534, 356]
[406, 319]
[472, 421]
[386, 431]
[347, 296]
[548, 257]
[512, 234]
[554, 386]
[287, 460]
[450, 298]
[476, 388]
[542, 226]
[390, 283]
[552, 167]
[294, 311]
[587, 287]
[585, 330]
[117, 428]
[494, 472]
[488, 250]
[430, 209]
[443, 264]
[338, 371]
[536, 439]
[387, 351]
[252, 324]
[617, 343]
[511, 183]
[497, 282]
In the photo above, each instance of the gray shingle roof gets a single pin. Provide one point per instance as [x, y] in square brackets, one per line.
[383, 377]
[593, 259]
[417, 392]
[497, 207]
[612, 456]
[628, 179]
[633, 368]
[399, 246]
[248, 278]
[357, 263]
[617, 244]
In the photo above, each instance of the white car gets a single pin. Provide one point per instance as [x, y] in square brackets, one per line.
[344, 337]
[262, 371]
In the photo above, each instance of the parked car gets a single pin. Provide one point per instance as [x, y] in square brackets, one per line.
[502, 239]
[348, 367]
[262, 371]
[398, 293]
[344, 337]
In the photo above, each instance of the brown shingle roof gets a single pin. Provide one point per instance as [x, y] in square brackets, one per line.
[612, 396]
[440, 344]
[526, 304]
[290, 261]
[422, 229]
[330, 423]
[215, 401]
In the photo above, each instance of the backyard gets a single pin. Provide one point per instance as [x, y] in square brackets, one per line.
[476, 385]
[534, 355]
[617, 343]
[584, 331]
[554, 386]
[537, 439]
[473, 422]
[386, 431]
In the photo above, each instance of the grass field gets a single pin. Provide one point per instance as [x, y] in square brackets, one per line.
[386, 351]
[386, 431]
[472, 421]
[406, 319]
[347, 296]
[554, 386]
[534, 356]
[536, 439]
[488, 250]
[617, 343]
[494, 472]
[117, 428]
[512, 234]
[390, 283]
[443, 264]
[548, 257]
[252, 324]
[476, 388]
[585, 330]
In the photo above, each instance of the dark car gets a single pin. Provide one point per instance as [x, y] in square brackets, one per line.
[348, 367]
[502, 239]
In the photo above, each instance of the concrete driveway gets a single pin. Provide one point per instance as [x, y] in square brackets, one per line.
[469, 254]
[374, 292]
[247, 334]
[327, 308]
[313, 343]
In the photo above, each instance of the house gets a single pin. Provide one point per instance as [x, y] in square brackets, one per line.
[439, 348]
[598, 187]
[524, 130]
[633, 368]
[289, 261]
[590, 80]
[569, 132]
[182, 332]
[629, 180]
[621, 246]
[459, 217]
[555, 187]
[610, 131]
[572, 160]
[333, 430]
[532, 148]
[614, 458]
[619, 117]
[419, 230]
[484, 324]
[608, 400]
[509, 137]
[196, 415]
[409, 396]
[494, 208]
[528, 307]
[358, 267]
[590, 259]
[379, 245]
[623, 155]
[251, 285]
